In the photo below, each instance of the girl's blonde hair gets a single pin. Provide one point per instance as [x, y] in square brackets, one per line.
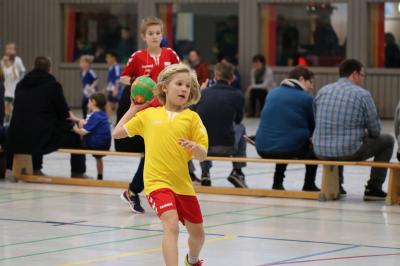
[150, 21]
[165, 77]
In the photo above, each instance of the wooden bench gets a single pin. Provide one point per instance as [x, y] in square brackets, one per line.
[22, 170]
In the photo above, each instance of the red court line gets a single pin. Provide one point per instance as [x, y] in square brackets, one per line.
[335, 258]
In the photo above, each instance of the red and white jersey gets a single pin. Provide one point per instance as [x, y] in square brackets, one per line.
[142, 63]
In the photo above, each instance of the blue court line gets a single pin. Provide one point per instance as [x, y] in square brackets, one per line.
[310, 255]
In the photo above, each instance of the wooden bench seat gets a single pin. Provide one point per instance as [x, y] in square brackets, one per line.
[22, 170]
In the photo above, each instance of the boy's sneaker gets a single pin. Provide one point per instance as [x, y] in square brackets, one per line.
[133, 202]
[199, 263]
[205, 179]
[195, 180]
[374, 194]
[311, 187]
[236, 177]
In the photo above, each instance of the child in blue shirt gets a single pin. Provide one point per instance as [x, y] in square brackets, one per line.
[89, 81]
[114, 87]
[95, 130]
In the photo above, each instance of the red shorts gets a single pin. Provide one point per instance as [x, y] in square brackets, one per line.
[187, 207]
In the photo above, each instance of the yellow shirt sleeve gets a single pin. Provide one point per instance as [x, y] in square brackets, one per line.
[199, 132]
[135, 125]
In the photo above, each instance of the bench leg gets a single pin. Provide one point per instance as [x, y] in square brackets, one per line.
[330, 183]
[393, 194]
[22, 165]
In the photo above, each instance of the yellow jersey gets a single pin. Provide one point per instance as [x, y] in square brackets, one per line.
[166, 163]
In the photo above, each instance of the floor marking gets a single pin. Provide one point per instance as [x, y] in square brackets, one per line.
[336, 258]
[131, 253]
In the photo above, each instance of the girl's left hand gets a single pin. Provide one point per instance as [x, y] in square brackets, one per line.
[187, 144]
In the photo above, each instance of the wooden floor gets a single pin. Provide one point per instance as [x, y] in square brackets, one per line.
[63, 225]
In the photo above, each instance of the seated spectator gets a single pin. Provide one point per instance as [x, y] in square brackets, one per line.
[262, 79]
[221, 110]
[348, 127]
[200, 67]
[286, 126]
[95, 130]
[39, 123]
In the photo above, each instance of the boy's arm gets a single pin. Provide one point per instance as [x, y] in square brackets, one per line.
[79, 131]
[198, 151]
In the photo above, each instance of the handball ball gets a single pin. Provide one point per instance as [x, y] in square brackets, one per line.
[142, 90]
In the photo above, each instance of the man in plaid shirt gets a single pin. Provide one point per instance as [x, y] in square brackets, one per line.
[348, 126]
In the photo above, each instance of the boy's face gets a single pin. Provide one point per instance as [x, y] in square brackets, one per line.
[83, 64]
[111, 60]
[91, 105]
[153, 36]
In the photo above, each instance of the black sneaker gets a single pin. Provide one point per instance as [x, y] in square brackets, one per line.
[236, 177]
[342, 192]
[205, 179]
[195, 180]
[278, 186]
[311, 187]
[132, 201]
[374, 194]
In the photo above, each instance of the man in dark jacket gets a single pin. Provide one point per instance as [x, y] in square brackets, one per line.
[286, 126]
[221, 110]
[39, 122]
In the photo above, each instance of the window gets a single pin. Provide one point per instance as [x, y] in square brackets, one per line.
[96, 28]
[384, 34]
[212, 29]
[313, 34]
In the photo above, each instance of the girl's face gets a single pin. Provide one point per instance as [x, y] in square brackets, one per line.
[177, 91]
[153, 36]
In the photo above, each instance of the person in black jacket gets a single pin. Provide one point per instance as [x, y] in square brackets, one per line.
[39, 123]
[221, 109]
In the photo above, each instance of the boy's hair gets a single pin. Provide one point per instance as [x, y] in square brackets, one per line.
[87, 57]
[259, 58]
[165, 77]
[112, 53]
[301, 71]
[100, 100]
[224, 70]
[348, 66]
[42, 63]
[150, 21]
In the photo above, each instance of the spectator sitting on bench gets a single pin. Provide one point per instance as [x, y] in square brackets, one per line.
[95, 130]
[348, 127]
[39, 123]
[286, 126]
[221, 109]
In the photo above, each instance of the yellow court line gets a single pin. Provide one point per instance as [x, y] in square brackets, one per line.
[130, 253]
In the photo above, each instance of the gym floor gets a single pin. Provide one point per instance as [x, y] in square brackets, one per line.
[65, 225]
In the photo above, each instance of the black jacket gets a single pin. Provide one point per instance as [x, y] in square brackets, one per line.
[39, 115]
[219, 108]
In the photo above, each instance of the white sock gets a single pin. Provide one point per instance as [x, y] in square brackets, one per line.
[192, 260]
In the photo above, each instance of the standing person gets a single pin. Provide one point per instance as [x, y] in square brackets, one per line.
[39, 123]
[167, 182]
[348, 126]
[95, 130]
[262, 79]
[221, 109]
[286, 126]
[11, 78]
[149, 61]
[89, 81]
[198, 65]
[114, 87]
[11, 50]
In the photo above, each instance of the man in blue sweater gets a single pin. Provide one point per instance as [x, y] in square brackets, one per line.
[221, 109]
[286, 126]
